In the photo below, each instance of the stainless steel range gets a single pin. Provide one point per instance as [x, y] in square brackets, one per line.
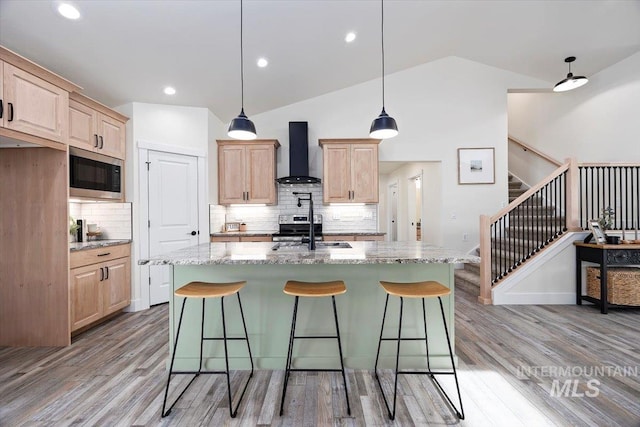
[295, 228]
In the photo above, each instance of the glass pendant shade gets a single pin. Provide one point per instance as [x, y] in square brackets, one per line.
[242, 128]
[571, 82]
[384, 126]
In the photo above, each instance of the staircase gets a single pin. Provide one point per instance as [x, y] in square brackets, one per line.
[532, 226]
[515, 188]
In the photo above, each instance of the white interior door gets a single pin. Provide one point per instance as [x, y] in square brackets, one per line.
[173, 213]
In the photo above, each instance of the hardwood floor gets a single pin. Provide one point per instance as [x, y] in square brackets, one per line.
[512, 360]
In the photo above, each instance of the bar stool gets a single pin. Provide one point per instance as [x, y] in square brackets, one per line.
[209, 290]
[313, 289]
[417, 290]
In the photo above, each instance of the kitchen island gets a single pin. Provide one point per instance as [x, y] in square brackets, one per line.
[268, 310]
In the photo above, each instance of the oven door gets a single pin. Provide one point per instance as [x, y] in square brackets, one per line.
[93, 175]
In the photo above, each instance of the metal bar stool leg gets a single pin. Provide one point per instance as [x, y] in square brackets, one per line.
[392, 413]
[201, 337]
[460, 413]
[344, 377]
[426, 336]
[289, 354]
[246, 335]
[173, 358]
[384, 316]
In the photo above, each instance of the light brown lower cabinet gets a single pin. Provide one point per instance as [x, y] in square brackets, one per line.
[100, 284]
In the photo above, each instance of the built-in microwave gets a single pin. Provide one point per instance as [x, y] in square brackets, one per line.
[94, 175]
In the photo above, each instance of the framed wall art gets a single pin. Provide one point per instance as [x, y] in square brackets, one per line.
[476, 166]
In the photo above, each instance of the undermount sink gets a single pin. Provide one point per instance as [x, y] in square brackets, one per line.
[319, 245]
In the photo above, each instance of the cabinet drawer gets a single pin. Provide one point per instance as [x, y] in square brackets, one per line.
[92, 256]
[255, 238]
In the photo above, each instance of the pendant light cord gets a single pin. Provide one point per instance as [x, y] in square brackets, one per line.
[382, 43]
[241, 63]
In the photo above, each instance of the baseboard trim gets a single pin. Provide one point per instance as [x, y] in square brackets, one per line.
[136, 305]
[535, 298]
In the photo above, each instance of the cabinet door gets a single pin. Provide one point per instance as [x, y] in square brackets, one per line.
[85, 295]
[116, 288]
[337, 173]
[364, 173]
[231, 174]
[112, 137]
[82, 126]
[260, 174]
[39, 108]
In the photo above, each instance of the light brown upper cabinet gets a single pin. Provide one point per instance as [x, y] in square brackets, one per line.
[350, 170]
[32, 105]
[247, 171]
[95, 127]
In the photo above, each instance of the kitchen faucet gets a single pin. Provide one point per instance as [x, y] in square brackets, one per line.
[312, 237]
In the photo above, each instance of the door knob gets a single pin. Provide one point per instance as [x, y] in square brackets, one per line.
[193, 233]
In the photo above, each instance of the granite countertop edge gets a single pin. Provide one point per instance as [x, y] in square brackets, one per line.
[93, 244]
[242, 233]
[360, 253]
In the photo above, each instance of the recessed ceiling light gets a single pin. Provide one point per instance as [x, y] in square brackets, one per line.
[262, 62]
[169, 90]
[350, 37]
[68, 11]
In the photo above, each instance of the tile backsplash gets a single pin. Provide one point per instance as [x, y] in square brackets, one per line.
[336, 218]
[113, 219]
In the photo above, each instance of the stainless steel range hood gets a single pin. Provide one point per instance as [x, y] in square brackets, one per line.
[298, 156]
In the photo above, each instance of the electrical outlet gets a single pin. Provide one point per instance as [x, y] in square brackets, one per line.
[465, 237]
[454, 215]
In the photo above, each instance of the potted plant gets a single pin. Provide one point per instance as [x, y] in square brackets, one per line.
[73, 229]
[606, 221]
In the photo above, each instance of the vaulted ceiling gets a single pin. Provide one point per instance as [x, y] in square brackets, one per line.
[123, 51]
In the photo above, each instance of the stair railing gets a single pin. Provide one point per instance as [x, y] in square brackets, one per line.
[617, 186]
[527, 225]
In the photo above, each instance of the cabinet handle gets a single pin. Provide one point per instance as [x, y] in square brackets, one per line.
[107, 275]
[247, 196]
[1, 108]
[101, 274]
[10, 112]
[96, 144]
[101, 142]
[105, 254]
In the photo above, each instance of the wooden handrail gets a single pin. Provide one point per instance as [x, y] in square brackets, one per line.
[622, 165]
[535, 151]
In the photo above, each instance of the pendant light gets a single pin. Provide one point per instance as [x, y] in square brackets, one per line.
[384, 126]
[241, 127]
[571, 82]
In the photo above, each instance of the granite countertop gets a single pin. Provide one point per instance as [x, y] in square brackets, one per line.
[93, 244]
[244, 233]
[352, 233]
[359, 253]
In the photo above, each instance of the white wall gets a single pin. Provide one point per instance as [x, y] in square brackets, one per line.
[440, 107]
[599, 122]
[177, 129]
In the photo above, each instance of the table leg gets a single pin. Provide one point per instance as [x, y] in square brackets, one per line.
[578, 278]
[604, 304]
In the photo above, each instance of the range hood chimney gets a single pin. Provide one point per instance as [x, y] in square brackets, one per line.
[298, 156]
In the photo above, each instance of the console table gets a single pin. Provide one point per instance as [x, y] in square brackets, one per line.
[606, 256]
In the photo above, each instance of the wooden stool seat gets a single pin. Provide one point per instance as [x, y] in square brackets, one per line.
[314, 289]
[208, 289]
[429, 289]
